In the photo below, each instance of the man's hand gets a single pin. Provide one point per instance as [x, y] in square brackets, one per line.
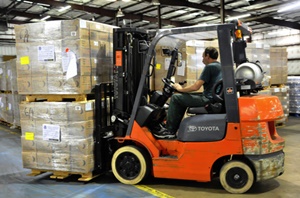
[177, 86]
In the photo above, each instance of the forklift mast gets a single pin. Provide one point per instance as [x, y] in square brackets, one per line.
[130, 46]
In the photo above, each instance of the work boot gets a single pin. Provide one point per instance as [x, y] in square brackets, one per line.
[163, 133]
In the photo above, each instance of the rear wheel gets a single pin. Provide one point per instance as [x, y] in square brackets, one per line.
[236, 177]
[130, 164]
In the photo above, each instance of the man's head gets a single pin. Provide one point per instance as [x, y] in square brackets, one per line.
[210, 55]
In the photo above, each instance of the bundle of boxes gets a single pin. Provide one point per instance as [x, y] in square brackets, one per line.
[48, 51]
[294, 92]
[9, 97]
[55, 58]
[58, 136]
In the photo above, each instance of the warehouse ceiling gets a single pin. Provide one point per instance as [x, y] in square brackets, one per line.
[261, 15]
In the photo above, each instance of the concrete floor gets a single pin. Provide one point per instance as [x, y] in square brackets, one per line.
[15, 184]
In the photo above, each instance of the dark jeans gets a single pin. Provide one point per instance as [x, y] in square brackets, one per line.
[178, 105]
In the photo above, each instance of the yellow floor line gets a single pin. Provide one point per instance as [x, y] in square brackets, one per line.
[152, 191]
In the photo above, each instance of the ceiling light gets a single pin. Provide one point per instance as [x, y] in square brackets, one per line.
[291, 7]
[45, 18]
[119, 13]
[238, 17]
[155, 2]
[64, 8]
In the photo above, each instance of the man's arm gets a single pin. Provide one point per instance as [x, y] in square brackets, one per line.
[194, 87]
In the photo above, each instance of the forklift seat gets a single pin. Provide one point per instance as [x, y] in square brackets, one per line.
[210, 108]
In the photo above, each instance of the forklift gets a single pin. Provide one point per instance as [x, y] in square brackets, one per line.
[233, 139]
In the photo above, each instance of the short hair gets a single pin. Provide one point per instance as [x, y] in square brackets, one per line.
[212, 52]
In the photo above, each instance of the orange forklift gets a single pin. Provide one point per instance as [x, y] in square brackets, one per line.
[233, 139]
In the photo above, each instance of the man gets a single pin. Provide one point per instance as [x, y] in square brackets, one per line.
[210, 75]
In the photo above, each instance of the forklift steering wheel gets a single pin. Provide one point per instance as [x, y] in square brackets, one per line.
[168, 83]
[218, 91]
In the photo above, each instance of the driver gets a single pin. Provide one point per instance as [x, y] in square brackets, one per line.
[210, 75]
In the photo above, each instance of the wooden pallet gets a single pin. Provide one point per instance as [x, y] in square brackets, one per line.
[277, 85]
[63, 174]
[56, 98]
[2, 122]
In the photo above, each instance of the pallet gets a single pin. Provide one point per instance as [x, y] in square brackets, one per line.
[56, 98]
[277, 86]
[5, 92]
[63, 174]
[12, 126]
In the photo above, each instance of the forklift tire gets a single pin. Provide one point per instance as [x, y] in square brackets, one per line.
[130, 164]
[236, 177]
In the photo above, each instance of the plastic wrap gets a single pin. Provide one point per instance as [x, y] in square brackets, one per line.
[294, 93]
[58, 136]
[43, 61]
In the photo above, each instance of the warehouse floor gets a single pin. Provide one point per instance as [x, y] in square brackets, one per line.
[14, 182]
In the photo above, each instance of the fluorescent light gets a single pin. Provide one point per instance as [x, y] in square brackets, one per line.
[238, 17]
[291, 7]
[64, 8]
[45, 18]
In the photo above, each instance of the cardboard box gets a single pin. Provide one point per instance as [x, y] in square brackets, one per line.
[82, 163]
[29, 160]
[44, 161]
[82, 147]
[28, 145]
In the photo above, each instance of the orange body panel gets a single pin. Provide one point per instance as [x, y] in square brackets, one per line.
[187, 160]
[255, 134]
[257, 115]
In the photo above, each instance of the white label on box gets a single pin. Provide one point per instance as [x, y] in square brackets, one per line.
[96, 43]
[167, 63]
[98, 26]
[82, 24]
[51, 132]
[181, 69]
[95, 60]
[72, 66]
[9, 106]
[88, 106]
[9, 72]
[78, 108]
[46, 53]
[73, 33]
[65, 60]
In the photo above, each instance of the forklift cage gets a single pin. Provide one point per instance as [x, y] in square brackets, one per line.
[224, 34]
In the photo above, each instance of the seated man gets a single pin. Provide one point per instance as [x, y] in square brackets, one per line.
[210, 75]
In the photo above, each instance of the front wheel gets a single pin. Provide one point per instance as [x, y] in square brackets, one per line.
[130, 164]
[236, 177]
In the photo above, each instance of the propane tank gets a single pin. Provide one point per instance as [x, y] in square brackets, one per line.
[250, 71]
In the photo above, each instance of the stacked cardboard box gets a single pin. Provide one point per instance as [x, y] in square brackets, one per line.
[278, 65]
[48, 52]
[9, 97]
[61, 57]
[162, 66]
[58, 136]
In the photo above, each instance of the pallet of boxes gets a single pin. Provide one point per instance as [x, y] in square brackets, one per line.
[58, 64]
[9, 97]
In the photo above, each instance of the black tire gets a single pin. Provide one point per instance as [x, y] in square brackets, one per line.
[236, 177]
[130, 164]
